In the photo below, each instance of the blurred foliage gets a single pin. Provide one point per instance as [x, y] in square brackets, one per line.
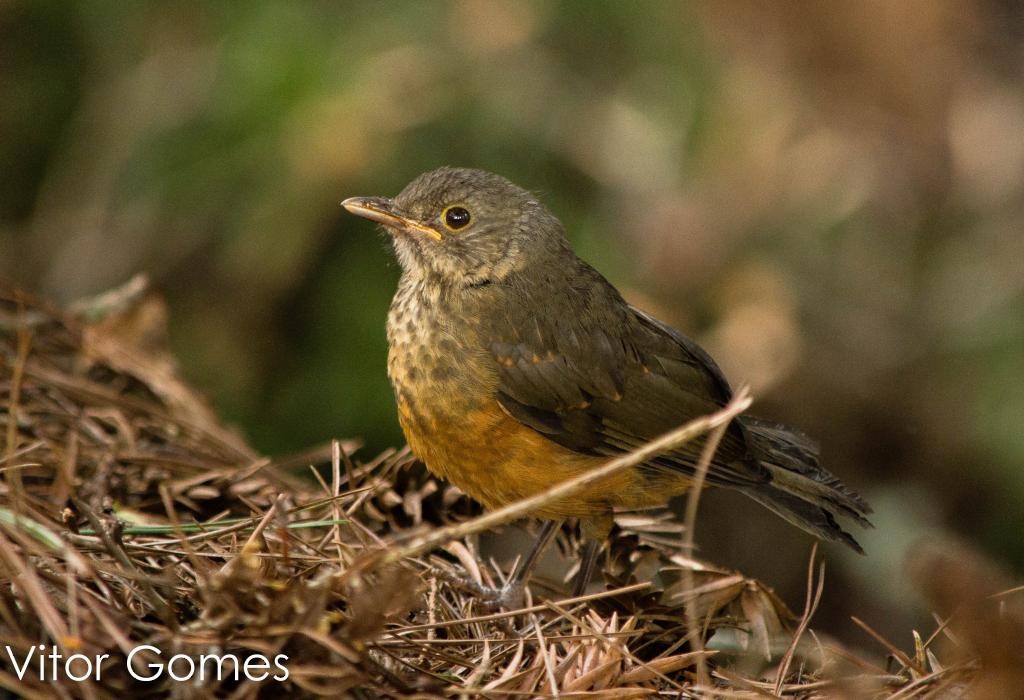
[829, 196]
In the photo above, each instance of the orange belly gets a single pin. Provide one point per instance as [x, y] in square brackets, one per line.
[497, 460]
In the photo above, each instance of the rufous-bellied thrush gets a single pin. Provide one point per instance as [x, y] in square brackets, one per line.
[516, 366]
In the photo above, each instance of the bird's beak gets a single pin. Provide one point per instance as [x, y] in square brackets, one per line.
[382, 210]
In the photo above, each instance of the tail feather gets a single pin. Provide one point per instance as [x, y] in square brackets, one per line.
[800, 489]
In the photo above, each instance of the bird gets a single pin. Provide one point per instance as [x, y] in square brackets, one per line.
[516, 366]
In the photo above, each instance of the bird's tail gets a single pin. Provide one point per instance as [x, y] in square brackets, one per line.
[800, 490]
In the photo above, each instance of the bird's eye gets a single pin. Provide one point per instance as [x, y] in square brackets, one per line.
[455, 218]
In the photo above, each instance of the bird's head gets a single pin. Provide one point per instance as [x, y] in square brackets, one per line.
[464, 226]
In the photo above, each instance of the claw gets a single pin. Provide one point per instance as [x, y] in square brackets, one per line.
[511, 596]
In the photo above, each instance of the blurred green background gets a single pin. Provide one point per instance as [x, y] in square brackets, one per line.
[829, 196]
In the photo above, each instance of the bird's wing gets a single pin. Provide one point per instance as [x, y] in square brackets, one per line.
[605, 383]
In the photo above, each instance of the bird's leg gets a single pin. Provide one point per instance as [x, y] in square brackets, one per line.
[588, 562]
[526, 566]
[510, 596]
[513, 591]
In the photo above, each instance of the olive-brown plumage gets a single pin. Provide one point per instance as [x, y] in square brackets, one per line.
[516, 366]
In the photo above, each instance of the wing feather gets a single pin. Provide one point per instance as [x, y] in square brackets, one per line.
[603, 388]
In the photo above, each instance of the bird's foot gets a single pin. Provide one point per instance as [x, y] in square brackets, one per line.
[511, 596]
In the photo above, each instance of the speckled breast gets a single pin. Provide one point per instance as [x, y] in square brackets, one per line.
[436, 363]
[445, 382]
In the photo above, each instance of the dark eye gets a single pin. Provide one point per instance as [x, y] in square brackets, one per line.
[456, 217]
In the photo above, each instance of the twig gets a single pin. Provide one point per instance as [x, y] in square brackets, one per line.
[902, 657]
[17, 378]
[156, 601]
[810, 606]
[533, 608]
[693, 631]
[27, 579]
[111, 302]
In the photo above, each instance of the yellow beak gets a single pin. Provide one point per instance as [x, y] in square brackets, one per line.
[382, 210]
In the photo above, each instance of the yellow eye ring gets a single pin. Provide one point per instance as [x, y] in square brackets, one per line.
[455, 217]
